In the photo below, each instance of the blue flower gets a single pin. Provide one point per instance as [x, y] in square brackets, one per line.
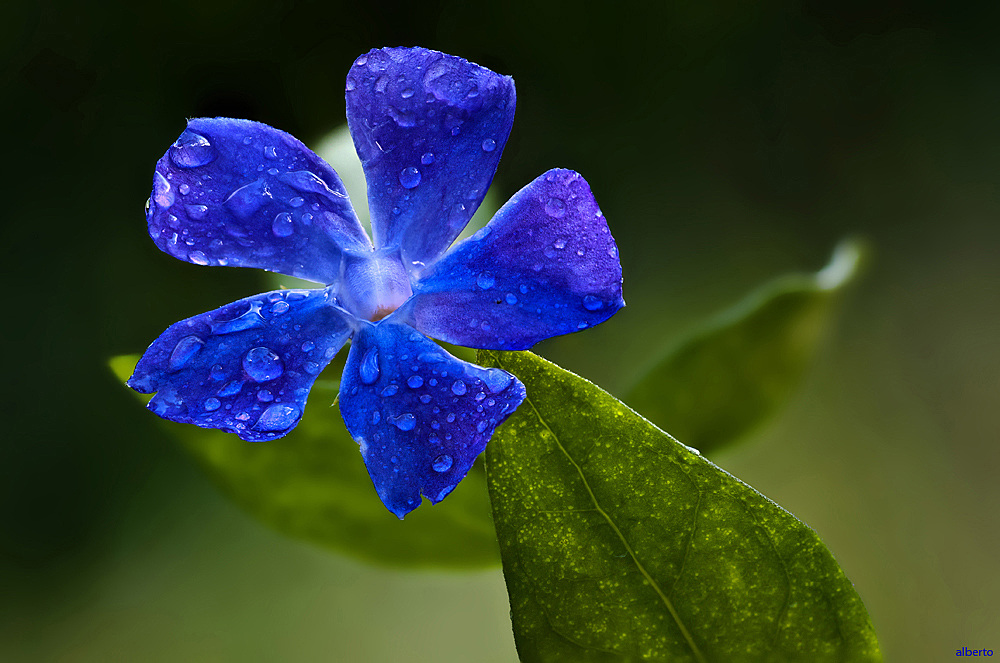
[429, 129]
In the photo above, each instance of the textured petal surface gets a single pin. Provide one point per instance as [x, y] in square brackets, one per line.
[243, 194]
[545, 265]
[420, 415]
[247, 367]
[429, 129]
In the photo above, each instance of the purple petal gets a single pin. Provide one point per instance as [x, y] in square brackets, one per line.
[545, 265]
[243, 194]
[429, 129]
[245, 368]
[420, 415]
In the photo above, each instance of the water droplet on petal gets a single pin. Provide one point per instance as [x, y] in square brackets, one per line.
[425, 399]
[485, 280]
[555, 207]
[280, 307]
[277, 418]
[415, 382]
[212, 404]
[247, 199]
[559, 244]
[489, 145]
[481, 426]
[459, 388]
[427, 159]
[496, 380]
[231, 388]
[217, 373]
[283, 225]
[409, 177]
[308, 346]
[184, 189]
[592, 303]
[369, 369]
[198, 258]
[185, 349]
[390, 390]
[407, 93]
[265, 396]
[297, 201]
[270, 152]
[192, 150]
[404, 421]
[262, 364]
[312, 368]
[163, 194]
[196, 212]
[511, 299]
[442, 463]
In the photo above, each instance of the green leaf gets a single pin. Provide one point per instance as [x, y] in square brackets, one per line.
[731, 375]
[313, 485]
[621, 544]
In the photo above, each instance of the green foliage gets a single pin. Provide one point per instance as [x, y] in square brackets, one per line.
[313, 485]
[620, 544]
[731, 375]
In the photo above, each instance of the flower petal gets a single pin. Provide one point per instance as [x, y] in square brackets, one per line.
[420, 415]
[545, 265]
[247, 367]
[243, 194]
[429, 129]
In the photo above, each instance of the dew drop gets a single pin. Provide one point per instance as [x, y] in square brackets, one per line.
[247, 199]
[559, 244]
[231, 388]
[184, 189]
[297, 201]
[489, 145]
[407, 93]
[415, 382]
[277, 418]
[369, 370]
[163, 194]
[185, 349]
[592, 303]
[409, 177]
[262, 364]
[511, 299]
[459, 388]
[481, 426]
[556, 208]
[265, 396]
[283, 225]
[450, 418]
[496, 380]
[390, 390]
[442, 463]
[280, 307]
[198, 258]
[376, 417]
[350, 84]
[308, 346]
[312, 368]
[485, 280]
[217, 373]
[192, 150]
[404, 421]
[212, 404]
[270, 152]
[427, 159]
[425, 399]
[196, 212]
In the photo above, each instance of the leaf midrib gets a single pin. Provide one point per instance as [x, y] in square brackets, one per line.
[593, 498]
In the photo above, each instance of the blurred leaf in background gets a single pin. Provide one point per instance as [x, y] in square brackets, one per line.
[313, 485]
[725, 379]
[619, 543]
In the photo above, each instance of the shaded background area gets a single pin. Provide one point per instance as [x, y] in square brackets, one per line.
[725, 142]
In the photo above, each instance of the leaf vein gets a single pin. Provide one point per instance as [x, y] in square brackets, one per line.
[642, 569]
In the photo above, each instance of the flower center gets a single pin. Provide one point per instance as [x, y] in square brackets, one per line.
[375, 284]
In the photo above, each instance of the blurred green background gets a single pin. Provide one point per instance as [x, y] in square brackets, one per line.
[726, 143]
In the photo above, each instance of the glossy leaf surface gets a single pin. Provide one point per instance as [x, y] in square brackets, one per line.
[621, 544]
[734, 373]
[313, 485]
